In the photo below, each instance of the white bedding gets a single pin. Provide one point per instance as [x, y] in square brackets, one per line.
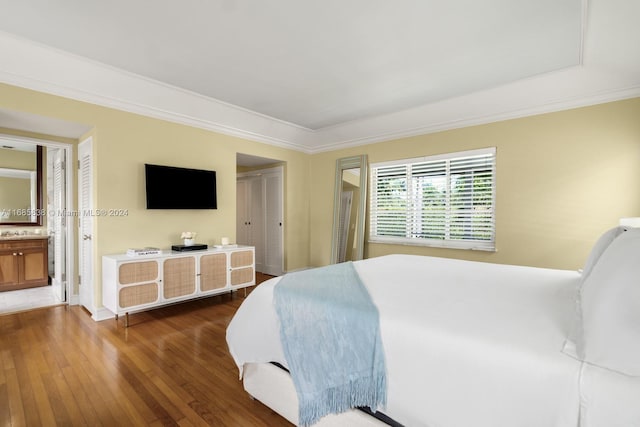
[466, 343]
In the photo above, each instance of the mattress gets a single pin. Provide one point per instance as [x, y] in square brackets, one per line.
[466, 343]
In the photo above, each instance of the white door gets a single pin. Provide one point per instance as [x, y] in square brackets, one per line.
[273, 249]
[59, 226]
[85, 224]
[250, 216]
[242, 200]
[256, 220]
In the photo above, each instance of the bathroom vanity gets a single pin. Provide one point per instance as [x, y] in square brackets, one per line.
[23, 262]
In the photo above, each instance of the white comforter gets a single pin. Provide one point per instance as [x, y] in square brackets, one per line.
[467, 344]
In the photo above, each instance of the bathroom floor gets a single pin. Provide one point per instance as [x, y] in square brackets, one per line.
[27, 299]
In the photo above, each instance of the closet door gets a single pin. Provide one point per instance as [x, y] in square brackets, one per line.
[273, 224]
[85, 205]
[242, 212]
[256, 221]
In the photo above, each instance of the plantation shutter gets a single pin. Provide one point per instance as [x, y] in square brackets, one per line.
[445, 201]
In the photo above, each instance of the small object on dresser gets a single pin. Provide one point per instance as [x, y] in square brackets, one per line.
[188, 237]
[186, 248]
[143, 251]
[228, 246]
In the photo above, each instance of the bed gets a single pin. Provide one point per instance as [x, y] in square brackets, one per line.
[480, 344]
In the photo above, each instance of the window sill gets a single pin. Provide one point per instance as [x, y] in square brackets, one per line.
[470, 246]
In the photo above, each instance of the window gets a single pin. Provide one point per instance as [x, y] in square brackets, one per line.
[446, 201]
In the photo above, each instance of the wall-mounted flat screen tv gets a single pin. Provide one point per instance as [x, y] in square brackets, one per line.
[171, 187]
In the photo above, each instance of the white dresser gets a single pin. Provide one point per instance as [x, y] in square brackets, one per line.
[131, 284]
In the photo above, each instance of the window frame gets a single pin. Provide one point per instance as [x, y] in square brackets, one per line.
[411, 207]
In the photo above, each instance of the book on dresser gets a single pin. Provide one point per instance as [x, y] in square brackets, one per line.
[132, 252]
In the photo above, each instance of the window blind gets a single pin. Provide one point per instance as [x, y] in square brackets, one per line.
[446, 200]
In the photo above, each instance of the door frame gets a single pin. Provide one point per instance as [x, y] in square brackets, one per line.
[68, 213]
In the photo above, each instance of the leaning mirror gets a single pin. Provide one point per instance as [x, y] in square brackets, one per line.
[349, 209]
[21, 186]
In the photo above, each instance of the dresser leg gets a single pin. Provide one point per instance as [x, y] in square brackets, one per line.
[126, 319]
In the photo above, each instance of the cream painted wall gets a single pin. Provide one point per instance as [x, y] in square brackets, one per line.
[120, 155]
[562, 179]
[123, 142]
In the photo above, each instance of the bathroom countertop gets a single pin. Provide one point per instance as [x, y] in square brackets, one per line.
[24, 237]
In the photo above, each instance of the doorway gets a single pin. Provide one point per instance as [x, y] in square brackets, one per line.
[259, 211]
[52, 227]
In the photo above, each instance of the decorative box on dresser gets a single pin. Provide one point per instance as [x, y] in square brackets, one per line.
[23, 263]
[131, 284]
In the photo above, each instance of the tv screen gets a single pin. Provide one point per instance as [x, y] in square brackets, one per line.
[180, 188]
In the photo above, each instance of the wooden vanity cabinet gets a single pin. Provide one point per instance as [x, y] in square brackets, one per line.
[23, 264]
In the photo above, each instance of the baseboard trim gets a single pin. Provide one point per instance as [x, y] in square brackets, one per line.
[102, 314]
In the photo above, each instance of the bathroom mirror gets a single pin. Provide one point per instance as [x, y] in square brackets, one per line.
[349, 209]
[21, 186]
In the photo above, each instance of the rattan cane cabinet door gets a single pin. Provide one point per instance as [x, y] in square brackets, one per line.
[138, 283]
[179, 277]
[213, 272]
[242, 267]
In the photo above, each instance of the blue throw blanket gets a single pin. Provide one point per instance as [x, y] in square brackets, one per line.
[330, 334]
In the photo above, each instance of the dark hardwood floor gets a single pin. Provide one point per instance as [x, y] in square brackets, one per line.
[170, 367]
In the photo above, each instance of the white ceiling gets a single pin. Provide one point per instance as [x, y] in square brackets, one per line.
[323, 75]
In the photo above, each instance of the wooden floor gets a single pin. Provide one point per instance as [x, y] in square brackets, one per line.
[170, 367]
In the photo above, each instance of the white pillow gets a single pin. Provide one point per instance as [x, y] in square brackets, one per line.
[601, 245]
[610, 305]
[574, 339]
